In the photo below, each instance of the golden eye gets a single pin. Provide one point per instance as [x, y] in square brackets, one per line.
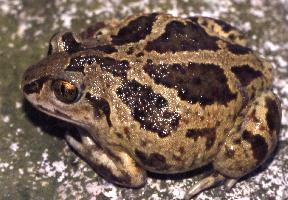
[65, 91]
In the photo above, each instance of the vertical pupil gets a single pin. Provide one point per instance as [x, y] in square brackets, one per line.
[63, 89]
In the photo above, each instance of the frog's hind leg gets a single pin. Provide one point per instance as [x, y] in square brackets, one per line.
[248, 145]
[252, 139]
[116, 167]
[219, 28]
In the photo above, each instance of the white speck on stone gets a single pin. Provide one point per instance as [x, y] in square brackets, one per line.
[6, 118]
[5, 8]
[45, 155]
[257, 12]
[3, 166]
[68, 16]
[18, 104]
[66, 20]
[257, 3]
[178, 192]
[59, 166]
[23, 26]
[44, 183]
[48, 169]
[282, 63]
[94, 188]
[11, 45]
[24, 48]
[175, 9]
[155, 197]
[246, 27]
[14, 146]
[27, 154]
[112, 194]
[20, 170]
[18, 131]
[30, 169]
[271, 46]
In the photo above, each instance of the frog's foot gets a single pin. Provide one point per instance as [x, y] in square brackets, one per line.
[204, 184]
[116, 167]
[210, 181]
[221, 29]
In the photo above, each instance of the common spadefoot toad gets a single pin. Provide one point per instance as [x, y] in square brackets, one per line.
[160, 93]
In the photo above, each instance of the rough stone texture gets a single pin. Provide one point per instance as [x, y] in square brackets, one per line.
[35, 162]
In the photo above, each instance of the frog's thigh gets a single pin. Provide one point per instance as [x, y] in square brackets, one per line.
[116, 167]
[251, 142]
[248, 145]
[221, 29]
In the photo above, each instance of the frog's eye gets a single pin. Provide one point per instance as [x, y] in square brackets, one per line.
[65, 91]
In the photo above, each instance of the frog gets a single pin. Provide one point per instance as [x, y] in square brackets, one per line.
[159, 93]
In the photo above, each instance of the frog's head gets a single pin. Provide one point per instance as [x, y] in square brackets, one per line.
[56, 86]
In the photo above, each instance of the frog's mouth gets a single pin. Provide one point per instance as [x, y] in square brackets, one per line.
[57, 114]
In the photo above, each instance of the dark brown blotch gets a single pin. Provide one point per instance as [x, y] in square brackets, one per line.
[115, 67]
[105, 172]
[136, 30]
[246, 74]
[101, 106]
[195, 83]
[273, 116]
[119, 135]
[258, 145]
[154, 160]
[225, 27]
[232, 37]
[35, 86]
[140, 54]
[148, 108]
[252, 116]
[208, 133]
[127, 132]
[183, 37]
[229, 153]
[105, 48]
[70, 44]
[238, 49]
[237, 141]
[130, 50]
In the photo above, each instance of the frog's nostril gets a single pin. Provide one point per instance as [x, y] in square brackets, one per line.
[31, 88]
[35, 86]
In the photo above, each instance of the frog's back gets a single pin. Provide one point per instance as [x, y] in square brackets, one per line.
[175, 89]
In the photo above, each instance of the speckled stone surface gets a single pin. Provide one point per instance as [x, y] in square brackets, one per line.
[35, 162]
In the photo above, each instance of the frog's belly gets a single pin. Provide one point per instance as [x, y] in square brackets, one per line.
[172, 155]
[178, 152]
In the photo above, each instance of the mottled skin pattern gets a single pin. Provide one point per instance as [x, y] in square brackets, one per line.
[160, 93]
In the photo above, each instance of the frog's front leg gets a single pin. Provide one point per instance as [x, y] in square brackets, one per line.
[248, 145]
[116, 167]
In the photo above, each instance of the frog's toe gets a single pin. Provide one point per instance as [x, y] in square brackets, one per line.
[204, 184]
[229, 183]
